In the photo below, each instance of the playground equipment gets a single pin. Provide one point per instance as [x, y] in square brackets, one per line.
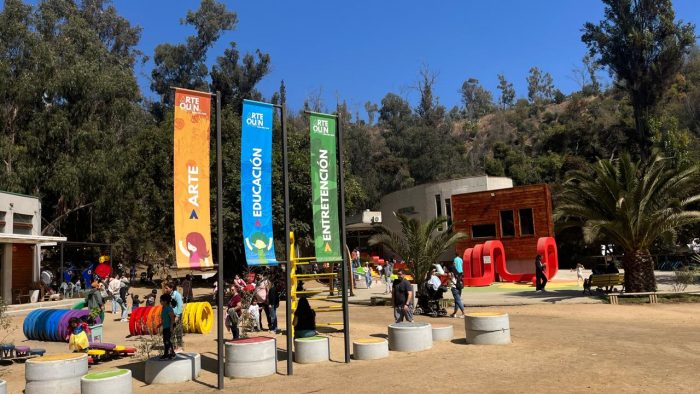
[183, 368]
[59, 373]
[370, 348]
[50, 324]
[197, 318]
[487, 328]
[410, 337]
[484, 261]
[116, 380]
[443, 332]
[251, 357]
[329, 293]
[312, 350]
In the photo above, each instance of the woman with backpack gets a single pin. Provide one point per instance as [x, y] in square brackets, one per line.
[456, 286]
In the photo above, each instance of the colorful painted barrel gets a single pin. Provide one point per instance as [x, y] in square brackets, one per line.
[58, 373]
[251, 357]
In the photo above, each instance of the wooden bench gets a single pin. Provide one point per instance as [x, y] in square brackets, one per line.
[603, 280]
[653, 295]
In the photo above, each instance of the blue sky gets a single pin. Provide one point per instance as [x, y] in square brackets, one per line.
[360, 50]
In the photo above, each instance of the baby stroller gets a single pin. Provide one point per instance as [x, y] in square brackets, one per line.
[429, 301]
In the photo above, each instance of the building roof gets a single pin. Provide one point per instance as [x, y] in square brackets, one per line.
[29, 239]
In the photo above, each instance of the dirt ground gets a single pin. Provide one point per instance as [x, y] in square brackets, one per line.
[556, 348]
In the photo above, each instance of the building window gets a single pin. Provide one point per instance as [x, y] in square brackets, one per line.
[527, 223]
[438, 205]
[484, 230]
[22, 224]
[448, 211]
[507, 224]
[2, 221]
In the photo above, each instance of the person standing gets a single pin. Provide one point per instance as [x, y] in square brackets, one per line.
[94, 302]
[122, 301]
[186, 284]
[402, 299]
[234, 312]
[273, 299]
[540, 277]
[456, 286]
[167, 318]
[458, 262]
[579, 274]
[169, 288]
[368, 275]
[388, 273]
[113, 292]
[262, 288]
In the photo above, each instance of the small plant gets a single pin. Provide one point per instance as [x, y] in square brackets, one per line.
[682, 278]
[149, 344]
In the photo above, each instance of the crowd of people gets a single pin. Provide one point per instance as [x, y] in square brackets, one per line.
[248, 300]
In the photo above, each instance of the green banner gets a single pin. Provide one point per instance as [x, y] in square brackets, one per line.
[324, 187]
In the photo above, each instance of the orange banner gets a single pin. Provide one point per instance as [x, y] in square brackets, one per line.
[191, 171]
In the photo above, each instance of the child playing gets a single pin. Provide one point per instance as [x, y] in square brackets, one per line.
[254, 312]
[167, 319]
[135, 302]
[77, 340]
[151, 298]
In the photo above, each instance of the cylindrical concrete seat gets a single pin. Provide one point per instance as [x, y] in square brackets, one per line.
[183, 368]
[251, 357]
[3, 387]
[111, 380]
[58, 373]
[311, 350]
[410, 337]
[370, 348]
[487, 328]
[443, 332]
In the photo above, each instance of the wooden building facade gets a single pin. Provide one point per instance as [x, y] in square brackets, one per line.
[517, 217]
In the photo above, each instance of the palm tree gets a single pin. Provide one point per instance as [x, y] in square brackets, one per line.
[632, 205]
[419, 244]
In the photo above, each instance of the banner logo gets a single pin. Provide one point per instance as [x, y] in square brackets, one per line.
[324, 189]
[256, 183]
[191, 180]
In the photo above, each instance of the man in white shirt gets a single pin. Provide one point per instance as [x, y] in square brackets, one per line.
[113, 288]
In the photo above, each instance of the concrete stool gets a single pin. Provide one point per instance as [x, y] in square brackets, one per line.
[311, 350]
[183, 368]
[57, 373]
[21, 351]
[370, 348]
[410, 337]
[443, 332]
[3, 387]
[7, 349]
[251, 357]
[37, 352]
[112, 380]
[487, 328]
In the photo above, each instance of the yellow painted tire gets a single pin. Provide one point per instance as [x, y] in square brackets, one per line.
[185, 316]
[192, 315]
[198, 318]
[207, 319]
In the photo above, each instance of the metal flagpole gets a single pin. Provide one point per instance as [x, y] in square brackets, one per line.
[285, 164]
[220, 240]
[344, 277]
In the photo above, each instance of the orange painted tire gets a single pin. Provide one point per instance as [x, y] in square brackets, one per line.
[141, 321]
[155, 320]
[132, 320]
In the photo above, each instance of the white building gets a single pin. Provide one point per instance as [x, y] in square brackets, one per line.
[430, 200]
[20, 245]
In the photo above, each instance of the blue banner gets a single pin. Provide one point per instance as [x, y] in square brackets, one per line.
[256, 183]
